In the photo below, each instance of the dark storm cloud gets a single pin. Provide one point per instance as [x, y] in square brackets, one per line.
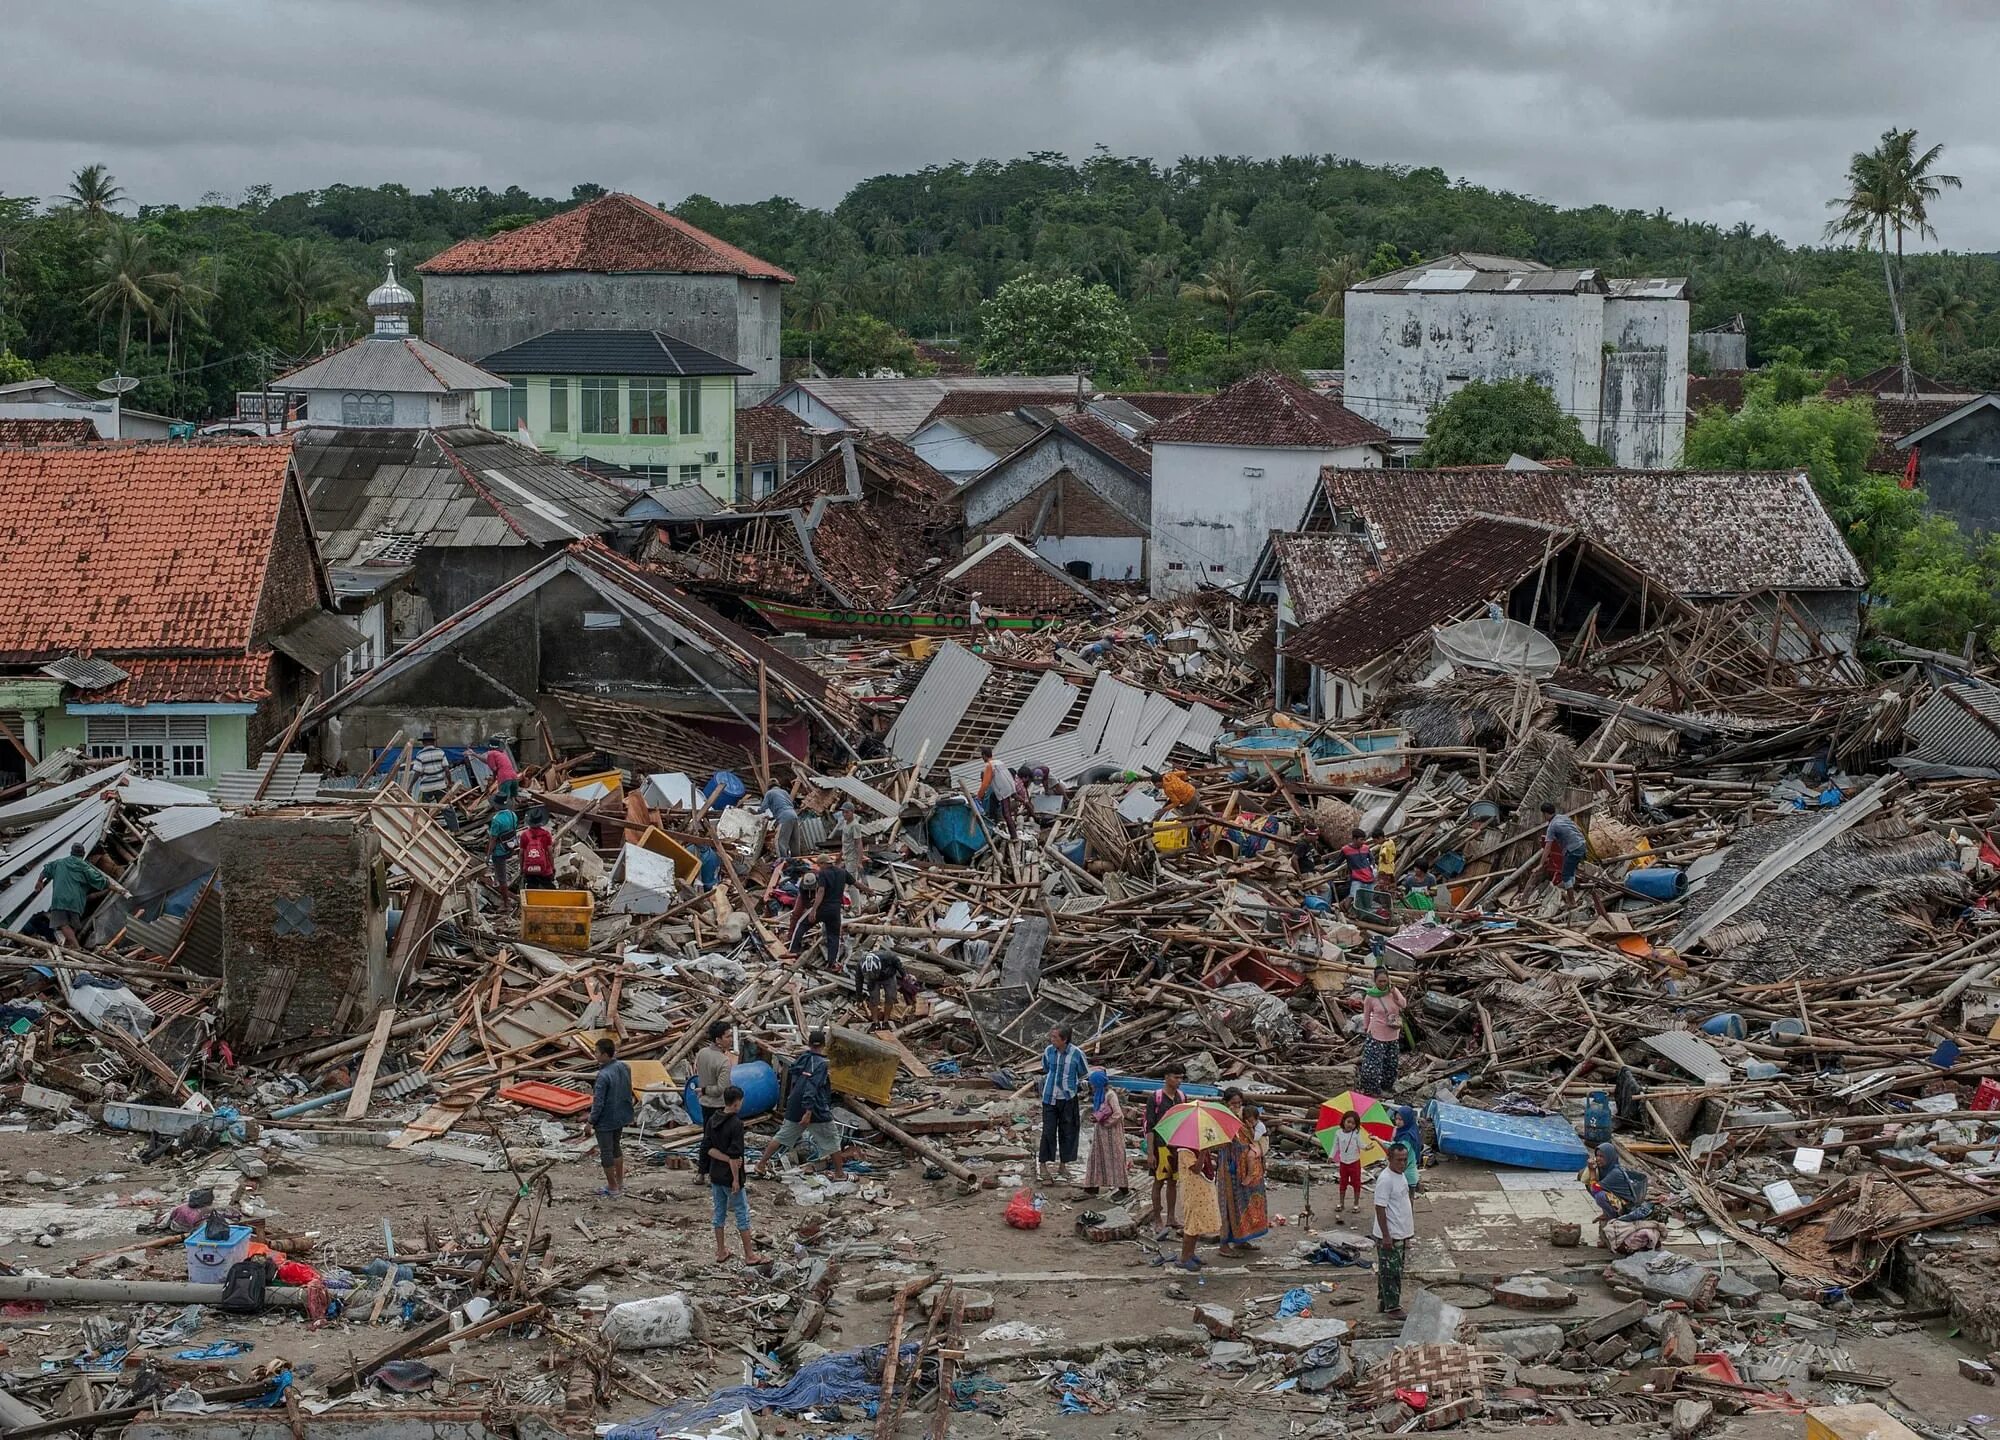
[1715, 109]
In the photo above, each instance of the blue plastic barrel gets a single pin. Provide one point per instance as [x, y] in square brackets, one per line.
[1596, 1118]
[1658, 882]
[755, 1078]
[729, 789]
[1729, 1026]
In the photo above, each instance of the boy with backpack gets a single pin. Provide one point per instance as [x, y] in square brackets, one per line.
[538, 852]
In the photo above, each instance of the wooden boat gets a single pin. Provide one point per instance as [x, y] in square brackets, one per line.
[827, 620]
[1369, 757]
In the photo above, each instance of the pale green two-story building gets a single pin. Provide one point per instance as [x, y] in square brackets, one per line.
[641, 400]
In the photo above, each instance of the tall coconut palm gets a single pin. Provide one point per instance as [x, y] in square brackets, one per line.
[304, 277]
[958, 293]
[191, 287]
[1229, 284]
[1332, 281]
[1156, 276]
[131, 280]
[1889, 190]
[811, 301]
[93, 194]
[1947, 311]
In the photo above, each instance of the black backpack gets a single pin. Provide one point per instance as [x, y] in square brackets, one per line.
[243, 1287]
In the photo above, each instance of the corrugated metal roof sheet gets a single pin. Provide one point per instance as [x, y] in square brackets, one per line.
[1121, 727]
[1040, 715]
[1693, 1054]
[939, 702]
[1959, 725]
[1200, 731]
[1097, 709]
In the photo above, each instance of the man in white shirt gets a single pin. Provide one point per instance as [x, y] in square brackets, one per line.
[1395, 1226]
[433, 770]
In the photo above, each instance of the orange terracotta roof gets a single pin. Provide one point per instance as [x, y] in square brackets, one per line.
[1268, 409]
[609, 235]
[135, 547]
[208, 677]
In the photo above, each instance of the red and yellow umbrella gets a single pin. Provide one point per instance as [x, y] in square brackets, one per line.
[1198, 1125]
[1377, 1124]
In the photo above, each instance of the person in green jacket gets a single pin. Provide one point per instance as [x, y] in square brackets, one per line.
[72, 881]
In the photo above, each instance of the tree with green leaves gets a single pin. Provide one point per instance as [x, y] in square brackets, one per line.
[810, 302]
[1055, 327]
[304, 277]
[1939, 587]
[131, 280]
[1889, 191]
[94, 195]
[1230, 285]
[857, 343]
[1331, 282]
[1489, 420]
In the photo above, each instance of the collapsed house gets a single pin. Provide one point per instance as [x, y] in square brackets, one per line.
[1079, 491]
[589, 650]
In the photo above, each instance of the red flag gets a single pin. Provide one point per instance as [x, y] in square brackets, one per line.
[1910, 471]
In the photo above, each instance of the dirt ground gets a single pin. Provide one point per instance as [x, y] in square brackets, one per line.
[1058, 1298]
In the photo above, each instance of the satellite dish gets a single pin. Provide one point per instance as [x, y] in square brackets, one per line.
[118, 384]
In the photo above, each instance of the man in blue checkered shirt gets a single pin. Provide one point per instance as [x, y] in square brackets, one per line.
[1063, 1070]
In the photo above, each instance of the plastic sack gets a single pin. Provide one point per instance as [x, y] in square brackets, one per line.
[651, 1324]
[1021, 1212]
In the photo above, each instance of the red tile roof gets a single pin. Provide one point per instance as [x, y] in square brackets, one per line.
[1896, 417]
[610, 235]
[760, 429]
[1268, 409]
[1723, 389]
[241, 678]
[1160, 404]
[1109, 441]
[991, 402]
[130, 548]
[45, 432]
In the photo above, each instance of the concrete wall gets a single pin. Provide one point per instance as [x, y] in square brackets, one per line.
[803, 404]
[450, 578]
[474, 315]
[1109, 557]
[668, 453]
[1027, 471]
[1409, 352]
[1722, 351]
[228, 743]
[1215, 506]
[1644, 406]
[413, 411]
[268, 861]
[945, 449]
[1959, 470]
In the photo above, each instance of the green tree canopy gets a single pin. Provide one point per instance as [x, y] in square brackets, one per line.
[1817, 336]
[1488, 421]
[859, 344]
[1055, 327]
[1939, 587]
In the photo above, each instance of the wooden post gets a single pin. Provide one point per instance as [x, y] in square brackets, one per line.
[763, 725]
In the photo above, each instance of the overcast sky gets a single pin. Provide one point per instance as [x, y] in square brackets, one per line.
[1724, 110]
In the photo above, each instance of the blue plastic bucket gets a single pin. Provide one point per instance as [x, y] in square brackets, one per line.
[755, 1078]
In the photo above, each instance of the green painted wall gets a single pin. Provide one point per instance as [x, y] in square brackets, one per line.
[228, 739]
[717, 436]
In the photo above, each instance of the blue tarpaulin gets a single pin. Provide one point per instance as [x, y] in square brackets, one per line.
[847, 1378]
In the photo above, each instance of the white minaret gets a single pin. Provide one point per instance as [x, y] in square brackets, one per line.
[390, 303]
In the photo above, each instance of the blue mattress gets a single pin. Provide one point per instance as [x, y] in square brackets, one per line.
[1532, 1142]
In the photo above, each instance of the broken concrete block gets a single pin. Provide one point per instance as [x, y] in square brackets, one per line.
[1524, 1342]
[1678, 1343]
[1625, 1316]
[1690, 1416]
[1977, 1370]
[1231, 1352]
[1606, 1351]
[1431, 1321]
[1658, 1275]
[1336, 1368]
[1218, 1320]
[1390, 1415]
[1533, 1292]
[1301, 1332]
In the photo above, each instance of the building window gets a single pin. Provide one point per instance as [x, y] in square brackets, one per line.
[600, 407]
[510, 407]
[690, 407]
[359, 407]
[559, 406]
[159, 746]
[690, 475]
[652, 407]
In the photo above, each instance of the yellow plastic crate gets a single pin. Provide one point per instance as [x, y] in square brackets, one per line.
[559, 919]
[687, 864]
[860, 1065]
[1170, 839]
[1855, 1422]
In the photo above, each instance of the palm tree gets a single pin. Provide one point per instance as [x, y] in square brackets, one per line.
[190, 288]
[1230, 283]
[848, 284]
[130, 281]
[1333, 280]
[1889, 189]
[958, 292]
[94, 194]
[895, 288]
[811, 301]
[1948, 311]
[305, 278]
[1155, 276]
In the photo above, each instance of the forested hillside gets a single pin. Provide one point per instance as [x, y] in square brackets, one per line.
[1223, 263]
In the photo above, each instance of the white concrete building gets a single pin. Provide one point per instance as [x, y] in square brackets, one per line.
[1237, 467]
[1612, 352]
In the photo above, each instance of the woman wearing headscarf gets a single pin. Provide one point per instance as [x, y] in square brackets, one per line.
[1201, 1218]
[1107, 1168]
[1381, 1035]
[1408, 1136]
[1618, 1189]
[1246, 1214]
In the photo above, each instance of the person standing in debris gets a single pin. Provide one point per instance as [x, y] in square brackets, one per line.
[1063, 1070]
[712, 1064]
[611, 1111]
[500, 832]
[1348, 1147]
[778, 807]
[1563, 847]
[808, 1110]
[722, 1144]
[975, 612]
[1107, 1168]
[878, 976]
[1201, 1215]
[1160, 1155]
[1395, 1226]
[1416, 885]
[987, 792]
[72, 881]
[1246, 1213]
[847, 834]
[1412, 1140]
[1382, 1009]
[821, 895]
[505, 780]
[432, 769]
[1360, 863]
[538, 851]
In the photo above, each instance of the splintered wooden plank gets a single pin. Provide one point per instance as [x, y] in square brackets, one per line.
[437, 1120]
[371, 1061]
